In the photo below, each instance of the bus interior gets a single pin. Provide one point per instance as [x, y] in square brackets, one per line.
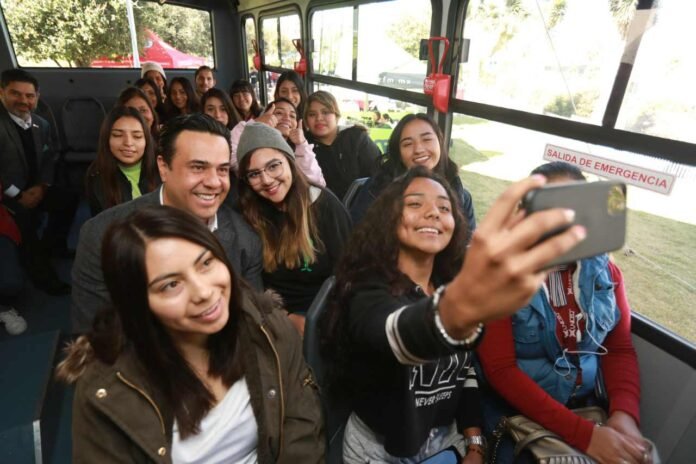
[519, 82]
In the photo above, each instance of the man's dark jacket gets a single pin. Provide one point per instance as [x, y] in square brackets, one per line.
[89, 292]
[14, 169]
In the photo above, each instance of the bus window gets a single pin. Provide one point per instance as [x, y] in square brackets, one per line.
[658, 257]
[541, 57]
[279, 51]
[96, 34]
[660, 97]
[249, 35]
[332, 31]
[395, 29]
[379, 114]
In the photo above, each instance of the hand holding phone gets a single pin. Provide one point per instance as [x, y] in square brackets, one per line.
[599, 206]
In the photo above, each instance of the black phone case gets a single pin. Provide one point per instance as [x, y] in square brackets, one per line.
[599, 206]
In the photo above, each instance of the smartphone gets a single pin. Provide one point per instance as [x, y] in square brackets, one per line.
[599, 206]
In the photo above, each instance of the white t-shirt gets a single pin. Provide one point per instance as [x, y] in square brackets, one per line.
[228, 433]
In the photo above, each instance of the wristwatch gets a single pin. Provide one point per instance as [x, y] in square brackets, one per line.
[478, 440]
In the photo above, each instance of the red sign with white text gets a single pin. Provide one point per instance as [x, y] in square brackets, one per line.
[633, 175]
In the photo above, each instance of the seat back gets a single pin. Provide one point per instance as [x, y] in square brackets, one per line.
[352, 191]
[82, 119]
[335, 415]
[312, 336]
[44, 110]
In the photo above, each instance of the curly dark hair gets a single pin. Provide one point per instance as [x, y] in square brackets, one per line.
[372, 253]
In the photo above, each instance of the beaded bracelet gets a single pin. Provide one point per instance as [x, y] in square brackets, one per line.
[469, 341]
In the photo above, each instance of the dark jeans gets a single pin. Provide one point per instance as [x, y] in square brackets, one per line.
[494, 409]
[11, 272]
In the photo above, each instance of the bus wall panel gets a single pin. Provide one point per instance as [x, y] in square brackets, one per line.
[668, 403]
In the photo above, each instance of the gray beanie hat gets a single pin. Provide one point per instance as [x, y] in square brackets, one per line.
[258, 135]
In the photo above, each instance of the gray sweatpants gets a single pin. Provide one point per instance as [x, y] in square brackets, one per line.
[361, 445]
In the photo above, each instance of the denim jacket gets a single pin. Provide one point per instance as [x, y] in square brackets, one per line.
[539, 352]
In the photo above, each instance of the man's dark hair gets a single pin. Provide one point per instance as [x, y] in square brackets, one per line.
[201, 69]
[195, 122]
[17, 75]
[556, 169]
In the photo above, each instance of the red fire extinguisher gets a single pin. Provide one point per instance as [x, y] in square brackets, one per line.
[437, 83]
[300, 66]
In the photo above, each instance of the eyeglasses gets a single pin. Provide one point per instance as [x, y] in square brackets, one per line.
[274, 169]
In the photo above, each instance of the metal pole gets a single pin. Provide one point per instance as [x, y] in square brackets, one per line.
[134, 37]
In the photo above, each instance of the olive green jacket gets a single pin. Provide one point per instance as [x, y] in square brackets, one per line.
[119, 418]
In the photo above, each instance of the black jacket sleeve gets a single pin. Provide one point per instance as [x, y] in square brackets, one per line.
[382, 325]
[368, 155]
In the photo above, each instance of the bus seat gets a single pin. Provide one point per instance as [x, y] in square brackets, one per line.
[44, 110]
[352, 191]
[82, 119]
[312, 339]
[335, 417]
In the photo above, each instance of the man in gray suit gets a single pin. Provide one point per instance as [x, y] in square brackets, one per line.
[194, 165]
[26, 175]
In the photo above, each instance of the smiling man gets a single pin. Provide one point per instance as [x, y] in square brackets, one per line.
[205, 80]
[194, 164]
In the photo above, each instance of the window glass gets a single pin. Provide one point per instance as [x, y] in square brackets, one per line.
[332, 31]
[657, 261]
[91, 33]
[570, 69]
[660, 99]
[379, 114]
[249, 35]
[278, 48]
[389, 35]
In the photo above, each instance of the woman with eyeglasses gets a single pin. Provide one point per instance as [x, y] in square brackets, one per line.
[282, 115]
[545, 359]
[302, 227]
[344, 153]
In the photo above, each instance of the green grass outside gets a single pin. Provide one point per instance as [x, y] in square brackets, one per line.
[664, 252]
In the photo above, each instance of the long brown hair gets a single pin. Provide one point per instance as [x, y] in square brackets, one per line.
[292, 240]
[131, 323]
[106, 166]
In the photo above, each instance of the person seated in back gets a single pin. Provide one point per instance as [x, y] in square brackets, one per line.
[218, 105]
[27, 165]
[152, 91]
[194, 165]
[302, 227]
[344, 154]
[544, 360]
[416, 141]
[125, 166]
[291, 86]
[204, 79]
[155, 72]
[188, 364]
[181, 98]
[406, 314]
[281, 115]
[244, 99]
[136, 98]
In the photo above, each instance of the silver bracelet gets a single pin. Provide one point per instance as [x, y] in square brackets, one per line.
[468, 341]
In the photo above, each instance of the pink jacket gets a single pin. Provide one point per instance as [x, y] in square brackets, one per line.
[304, 156]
